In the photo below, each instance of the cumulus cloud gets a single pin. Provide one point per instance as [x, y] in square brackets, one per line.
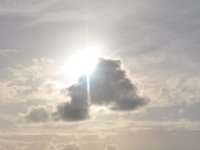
[73, 111]
[35, 114]
[109, 87]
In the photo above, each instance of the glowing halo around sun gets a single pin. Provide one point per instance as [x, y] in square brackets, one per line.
[83, 62]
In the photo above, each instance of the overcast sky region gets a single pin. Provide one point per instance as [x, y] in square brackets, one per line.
[143, 92]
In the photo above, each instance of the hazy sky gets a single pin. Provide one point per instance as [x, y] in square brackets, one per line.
[144, 91]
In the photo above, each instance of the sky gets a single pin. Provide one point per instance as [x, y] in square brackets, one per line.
[141, 94]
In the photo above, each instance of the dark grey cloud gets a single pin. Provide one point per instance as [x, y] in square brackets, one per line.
[109, 87]
[71, 112]
[77, 108]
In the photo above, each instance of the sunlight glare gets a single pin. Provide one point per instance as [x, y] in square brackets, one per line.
[83, 62]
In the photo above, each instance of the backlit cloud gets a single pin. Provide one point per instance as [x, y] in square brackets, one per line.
[109, 87]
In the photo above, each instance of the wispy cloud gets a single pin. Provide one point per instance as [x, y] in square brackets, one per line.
[7, 51]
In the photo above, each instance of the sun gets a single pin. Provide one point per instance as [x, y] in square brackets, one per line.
[83, 62]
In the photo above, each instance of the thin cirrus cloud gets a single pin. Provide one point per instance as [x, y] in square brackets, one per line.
[109, 87]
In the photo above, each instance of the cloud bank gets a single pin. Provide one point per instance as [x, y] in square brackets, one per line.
[109, 87]
[112, 147]
[71, 147]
